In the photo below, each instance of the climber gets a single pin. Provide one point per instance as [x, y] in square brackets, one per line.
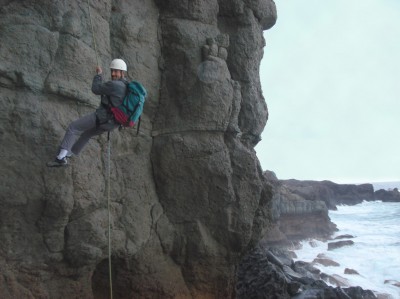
[81, 130]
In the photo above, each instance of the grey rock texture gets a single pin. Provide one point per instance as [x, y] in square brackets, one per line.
[295, 216]
[331, 193]
[188, 196]
[271, 273]
[339, 244]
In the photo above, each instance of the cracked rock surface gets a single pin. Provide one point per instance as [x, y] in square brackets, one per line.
[188, 195]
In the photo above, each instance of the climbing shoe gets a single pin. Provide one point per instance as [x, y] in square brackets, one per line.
[57, 163]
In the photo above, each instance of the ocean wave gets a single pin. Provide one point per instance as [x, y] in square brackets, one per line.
[375, 254]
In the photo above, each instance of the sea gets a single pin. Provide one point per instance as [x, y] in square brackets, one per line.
[375, 254]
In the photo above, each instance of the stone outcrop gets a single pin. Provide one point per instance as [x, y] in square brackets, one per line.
[339, 244]
[331, 193]
[295, 217]
[387, 195]
[350, 271]
[336, 194]
[188, 196]
[273, 274]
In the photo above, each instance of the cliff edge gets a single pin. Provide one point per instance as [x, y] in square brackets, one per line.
[188, 196]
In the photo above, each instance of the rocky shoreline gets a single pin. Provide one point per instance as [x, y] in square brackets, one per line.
[275, 272]
[300, 210]
[334, 194]
[272, 273]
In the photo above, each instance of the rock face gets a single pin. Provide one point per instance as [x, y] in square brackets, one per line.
[331, 193]
[388, 195]
[188, 196]
[296, 217]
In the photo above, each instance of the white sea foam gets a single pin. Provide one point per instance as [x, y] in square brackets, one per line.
[375, 254]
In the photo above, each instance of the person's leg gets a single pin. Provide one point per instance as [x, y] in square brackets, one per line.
[77, 128]
[84, 138]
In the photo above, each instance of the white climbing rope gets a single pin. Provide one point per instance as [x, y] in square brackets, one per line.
[109, 212]
[108, 174]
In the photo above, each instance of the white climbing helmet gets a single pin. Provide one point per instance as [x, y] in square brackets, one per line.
[118, 64]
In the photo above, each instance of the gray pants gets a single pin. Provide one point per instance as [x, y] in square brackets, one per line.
[81, 130]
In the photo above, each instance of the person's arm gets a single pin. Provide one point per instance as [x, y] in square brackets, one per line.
[100, 88]
[97, 81]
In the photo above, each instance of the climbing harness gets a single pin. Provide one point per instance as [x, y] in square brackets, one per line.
[108, 173]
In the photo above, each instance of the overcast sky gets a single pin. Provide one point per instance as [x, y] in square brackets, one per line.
[331, 79]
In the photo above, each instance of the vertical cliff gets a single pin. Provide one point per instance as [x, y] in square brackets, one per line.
[188, 194]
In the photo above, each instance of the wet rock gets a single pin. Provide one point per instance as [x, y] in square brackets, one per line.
[313, 244]
[344, 237]
[335, 279]
[393, 282]
[339, 244]
[285, 256]
[307, 270]
[359, 293]
[259, 278]
[350, 271]
[258, 273]
[326, 262]
[320, 290]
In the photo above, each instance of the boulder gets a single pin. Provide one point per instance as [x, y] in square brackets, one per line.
[339, 244]
[350, 271]
[344, 237]
[336, 280]
[326, 262]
